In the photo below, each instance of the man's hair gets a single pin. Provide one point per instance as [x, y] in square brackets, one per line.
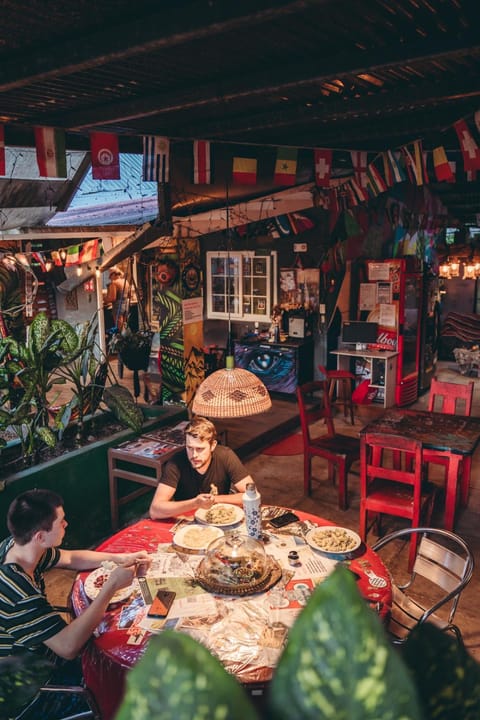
[32, 511]
[202, 429]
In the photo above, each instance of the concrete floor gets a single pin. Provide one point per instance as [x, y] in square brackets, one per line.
[280, 481]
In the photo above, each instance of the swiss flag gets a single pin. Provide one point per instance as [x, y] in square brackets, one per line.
[105, 156]
[470, 150]
[323, 167]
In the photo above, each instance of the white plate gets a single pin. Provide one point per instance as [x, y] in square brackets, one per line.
[333, 540]
[196, 537]
[234, 515]
[93, 583]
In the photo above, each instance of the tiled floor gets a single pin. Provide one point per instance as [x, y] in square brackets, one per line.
[280, 481]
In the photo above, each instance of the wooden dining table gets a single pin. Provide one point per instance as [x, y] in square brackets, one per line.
[456, 436]
[247, 633]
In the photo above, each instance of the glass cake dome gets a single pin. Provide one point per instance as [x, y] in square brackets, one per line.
[234, 560]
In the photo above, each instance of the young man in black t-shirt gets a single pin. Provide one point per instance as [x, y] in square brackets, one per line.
[190, 476]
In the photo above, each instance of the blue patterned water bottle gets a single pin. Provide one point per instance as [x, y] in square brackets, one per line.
[253, 514]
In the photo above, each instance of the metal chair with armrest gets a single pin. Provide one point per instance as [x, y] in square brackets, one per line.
[340, 451]
[446, 562]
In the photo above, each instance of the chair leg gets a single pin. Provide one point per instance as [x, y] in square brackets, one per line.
[307, 473]
[465, 479]
[342, 485]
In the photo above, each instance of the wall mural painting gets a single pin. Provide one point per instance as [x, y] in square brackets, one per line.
[191, 279]
[176, 277]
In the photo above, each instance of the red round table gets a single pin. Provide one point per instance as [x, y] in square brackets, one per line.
[108, 656]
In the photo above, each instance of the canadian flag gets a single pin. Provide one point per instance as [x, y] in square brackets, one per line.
[323, 167]
[470, 149]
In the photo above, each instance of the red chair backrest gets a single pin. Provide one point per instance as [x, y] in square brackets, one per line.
[313, 405]
[450, 398]
[376, 463]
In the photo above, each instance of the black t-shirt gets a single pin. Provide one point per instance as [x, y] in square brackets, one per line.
[224, 471]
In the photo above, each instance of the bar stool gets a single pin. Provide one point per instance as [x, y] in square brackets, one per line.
[345, 380]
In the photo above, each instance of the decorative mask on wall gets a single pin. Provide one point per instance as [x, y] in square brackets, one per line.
[167, 272]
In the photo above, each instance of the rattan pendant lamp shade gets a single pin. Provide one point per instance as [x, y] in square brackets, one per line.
[231, 392]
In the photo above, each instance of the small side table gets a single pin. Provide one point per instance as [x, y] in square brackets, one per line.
[138, 461]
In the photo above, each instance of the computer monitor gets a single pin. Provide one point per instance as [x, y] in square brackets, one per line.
[359, 331]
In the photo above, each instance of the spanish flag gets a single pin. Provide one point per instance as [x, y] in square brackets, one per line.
[286, 166]
[244, 171]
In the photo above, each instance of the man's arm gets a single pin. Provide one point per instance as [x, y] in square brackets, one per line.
[90, 559]
[68, 642]
[162, 505]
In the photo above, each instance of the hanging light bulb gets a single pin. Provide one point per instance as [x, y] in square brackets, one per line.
[454, 268]
[468, 271]
[48, 265]
[444, 270]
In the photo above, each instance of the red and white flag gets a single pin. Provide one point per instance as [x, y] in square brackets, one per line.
[51, 154]
[2, 151]
[88, 251]
[105, 156]
[470, 150]
[359, 162]
[323, 167]
[202, 162]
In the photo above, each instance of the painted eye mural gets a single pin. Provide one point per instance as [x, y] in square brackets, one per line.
[276, 367]
[167, 273]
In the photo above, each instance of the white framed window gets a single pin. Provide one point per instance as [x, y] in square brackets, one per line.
[241, 285]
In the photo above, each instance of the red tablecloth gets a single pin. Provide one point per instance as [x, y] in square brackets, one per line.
[108, 656]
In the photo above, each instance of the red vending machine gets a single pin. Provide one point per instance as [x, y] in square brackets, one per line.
[392, 297]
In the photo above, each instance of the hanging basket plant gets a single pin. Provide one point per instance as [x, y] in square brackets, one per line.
[133, 348]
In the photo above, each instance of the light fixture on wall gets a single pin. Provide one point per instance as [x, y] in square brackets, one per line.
[454, 268]
[231, 392]
[444, 270]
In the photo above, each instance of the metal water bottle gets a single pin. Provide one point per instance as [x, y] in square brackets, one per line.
[252, 508]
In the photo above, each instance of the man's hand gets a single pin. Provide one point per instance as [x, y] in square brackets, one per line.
[205, 500]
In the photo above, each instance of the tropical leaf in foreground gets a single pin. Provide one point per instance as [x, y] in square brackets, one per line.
[338, 663]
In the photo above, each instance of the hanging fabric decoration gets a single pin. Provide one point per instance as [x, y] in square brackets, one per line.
[323, 167]
[202, 162]
[105, 156]
[156, 159]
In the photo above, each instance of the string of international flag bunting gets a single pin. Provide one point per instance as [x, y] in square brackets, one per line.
[369, 177]
[407, 162]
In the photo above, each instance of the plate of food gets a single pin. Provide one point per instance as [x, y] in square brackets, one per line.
[94, 582]
[196, 537]
[220, 515]
[333, 540]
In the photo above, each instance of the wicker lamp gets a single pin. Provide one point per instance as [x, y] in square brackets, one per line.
[230, 393]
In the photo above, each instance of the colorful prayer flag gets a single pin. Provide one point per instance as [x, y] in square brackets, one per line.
[89, 251]
[244, 170]
[40, 258]
[57, 260]
[285, 166]
[156, 159]
[283, 225]
[359, 162]
[323, 167]
[414, 162]
[72, 255]
[375, 181]
[443, 171]
[105, 156]
[2, 151]
[394, 158]
[470, 150]
[360, 193]
[300, 222]
[202, 162]
[51, 153]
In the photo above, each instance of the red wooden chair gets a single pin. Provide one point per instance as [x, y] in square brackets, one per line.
[340, 451]
[345, 382]
[454, 399]
[386, 489]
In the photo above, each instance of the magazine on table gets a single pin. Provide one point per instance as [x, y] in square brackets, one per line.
[148, 447]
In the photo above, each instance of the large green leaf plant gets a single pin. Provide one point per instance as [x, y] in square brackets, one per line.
[53, 353]
[338, 664]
